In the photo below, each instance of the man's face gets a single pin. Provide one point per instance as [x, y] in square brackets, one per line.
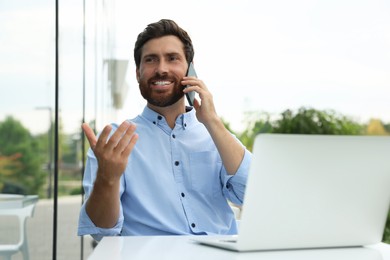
[163, 66]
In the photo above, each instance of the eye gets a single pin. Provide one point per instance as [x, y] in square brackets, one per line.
[150, 59]
[173, 58]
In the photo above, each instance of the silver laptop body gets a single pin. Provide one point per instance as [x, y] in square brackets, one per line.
[313, 191]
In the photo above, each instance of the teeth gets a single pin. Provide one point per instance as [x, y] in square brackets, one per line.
[162, 83]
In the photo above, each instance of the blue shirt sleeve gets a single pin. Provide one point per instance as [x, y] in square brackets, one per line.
[86, 226]
[234, 185]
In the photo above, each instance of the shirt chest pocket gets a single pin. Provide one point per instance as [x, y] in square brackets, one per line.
[205, 168]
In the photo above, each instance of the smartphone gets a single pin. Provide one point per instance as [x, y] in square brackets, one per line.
[191, 95]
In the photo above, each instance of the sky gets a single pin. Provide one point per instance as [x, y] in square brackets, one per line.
[253, 55]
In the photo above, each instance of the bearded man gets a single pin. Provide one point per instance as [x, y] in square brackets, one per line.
[173, 169]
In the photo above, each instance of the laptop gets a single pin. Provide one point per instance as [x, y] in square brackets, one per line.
[313, 191]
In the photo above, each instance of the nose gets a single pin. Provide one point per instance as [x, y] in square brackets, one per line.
[162, 68]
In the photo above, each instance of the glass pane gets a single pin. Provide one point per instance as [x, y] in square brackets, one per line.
[94, 105]
[70, 119]
[26, 118]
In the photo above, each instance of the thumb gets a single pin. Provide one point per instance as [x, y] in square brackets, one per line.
[89, 134]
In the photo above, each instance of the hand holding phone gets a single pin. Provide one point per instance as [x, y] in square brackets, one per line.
[190, 95]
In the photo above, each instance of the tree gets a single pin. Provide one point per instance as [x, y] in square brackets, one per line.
[387, 127]
[311, 121]
[8, 165]
[256, 124]
[304, 121]
[22, 172]
[376, 127]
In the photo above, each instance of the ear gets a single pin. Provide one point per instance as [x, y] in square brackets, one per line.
[137, 74]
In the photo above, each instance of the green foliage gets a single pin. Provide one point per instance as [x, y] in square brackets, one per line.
[28, 176]
[256, 124]
[76, 191]
[311, 121]
[304, 121]
[387, 127]
[376, 127]
[386, 235]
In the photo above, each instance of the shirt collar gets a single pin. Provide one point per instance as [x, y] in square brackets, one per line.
[184, 120]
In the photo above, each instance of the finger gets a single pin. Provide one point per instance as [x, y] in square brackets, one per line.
[196, 104]
[102, 140]
[126, 152]
[125, 139]
[117, 136]
[89, 134]
[189, 82]
[190, 78]
[193, 82]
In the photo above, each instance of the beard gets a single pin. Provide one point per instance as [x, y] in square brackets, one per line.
[161, 98]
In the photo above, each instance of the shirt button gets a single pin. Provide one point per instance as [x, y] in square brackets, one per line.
[183, 195]
[159, 117]
[154, 122]
[173, 136]
[193, 225]
[177, 163]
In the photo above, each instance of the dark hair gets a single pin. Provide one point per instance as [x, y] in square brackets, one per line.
[159, 29]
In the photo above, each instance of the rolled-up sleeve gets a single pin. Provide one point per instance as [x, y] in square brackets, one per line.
[234, 185]
[85, 225]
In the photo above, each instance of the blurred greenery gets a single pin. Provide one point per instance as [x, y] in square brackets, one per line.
[22, 173]
[24, 160]
[386, 235]
[304, 121]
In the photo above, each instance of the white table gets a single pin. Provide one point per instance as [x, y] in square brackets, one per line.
[14, 201]
[22, 207]
[182, 247]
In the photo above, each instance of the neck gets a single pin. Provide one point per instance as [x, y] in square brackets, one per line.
[170, 112]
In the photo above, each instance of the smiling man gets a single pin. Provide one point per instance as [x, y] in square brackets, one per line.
[162, 71]
[172, 169]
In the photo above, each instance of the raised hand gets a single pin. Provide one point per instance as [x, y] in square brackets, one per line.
[229, 148]
[205, 110]
[112, 152]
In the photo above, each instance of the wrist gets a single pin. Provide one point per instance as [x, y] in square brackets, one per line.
[213, 123]
[103, 182]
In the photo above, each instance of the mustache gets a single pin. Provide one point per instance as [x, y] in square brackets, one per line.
[162, 78]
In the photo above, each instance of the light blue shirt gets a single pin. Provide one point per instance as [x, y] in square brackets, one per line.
[174, 182]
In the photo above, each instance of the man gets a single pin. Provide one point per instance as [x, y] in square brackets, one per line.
[171, 170]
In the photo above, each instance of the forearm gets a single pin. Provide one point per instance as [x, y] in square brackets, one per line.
[103, 204]
[112, 152]
[230, 150]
